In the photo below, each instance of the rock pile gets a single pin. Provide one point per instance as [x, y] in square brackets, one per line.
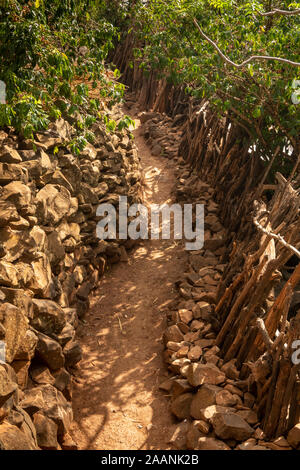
[214, 406]
[162, 133]
[50, 261]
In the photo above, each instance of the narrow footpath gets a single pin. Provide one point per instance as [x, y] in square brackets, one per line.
[116, 400]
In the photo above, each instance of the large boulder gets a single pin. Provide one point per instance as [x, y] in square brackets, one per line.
[48, 316]
[27, 347]
[21, 370]
[231, 426]
[15, 243]
[206, 396]
[46, 431]
[17, 193]
[51, 402]
[19, 298]
[180, 407]
[49, 352]
[12, 438]
[199, 374]
[53, 203]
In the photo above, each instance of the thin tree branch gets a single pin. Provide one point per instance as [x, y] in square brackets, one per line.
[254, 57]
[277, 11]
[264, 333]
[277, 237]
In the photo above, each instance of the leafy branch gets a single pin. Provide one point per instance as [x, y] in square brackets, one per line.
[277, 11]
[247, 61]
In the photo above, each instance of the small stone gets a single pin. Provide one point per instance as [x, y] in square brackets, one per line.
[192, 337]
[173, 346]
[177, 364]
[293, 436]
[205, 309]
[212, 359]
[196, 325]
[166, 385]
[249, 415]
[234, 390]
[193, 435]
[179, 436]
[67, 442]
[184, 328]
[184, 369]
[259, 434]
[258, 447]
[199, 374]
[281, 442]
[182, 352]
[185, 315]
[72, 352]
[180, 386]
[206, 414]
[195, 353]
[230, 370]
[247, 445]
[225, 398]
[173, 333]
[203, 426]
[63, 383]
[249, 399]
[206, 343]
[180, 407]
[273, 446]
[210, 443]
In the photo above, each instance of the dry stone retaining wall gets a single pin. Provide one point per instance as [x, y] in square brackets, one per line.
[50, 261]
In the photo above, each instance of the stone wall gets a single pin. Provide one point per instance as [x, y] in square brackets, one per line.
[228, 389]
[50, 261]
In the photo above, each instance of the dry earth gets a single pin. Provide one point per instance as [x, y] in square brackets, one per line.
[116, 401]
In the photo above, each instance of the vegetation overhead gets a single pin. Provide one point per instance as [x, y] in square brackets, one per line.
[243, 56]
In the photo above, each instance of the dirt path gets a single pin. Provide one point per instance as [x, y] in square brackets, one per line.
[116, 401]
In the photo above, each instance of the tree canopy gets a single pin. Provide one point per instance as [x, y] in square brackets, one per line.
[205, 45]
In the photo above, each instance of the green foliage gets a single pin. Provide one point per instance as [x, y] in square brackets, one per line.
[125, 123]
[45, 73]
[47, 76]
[259, 95]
